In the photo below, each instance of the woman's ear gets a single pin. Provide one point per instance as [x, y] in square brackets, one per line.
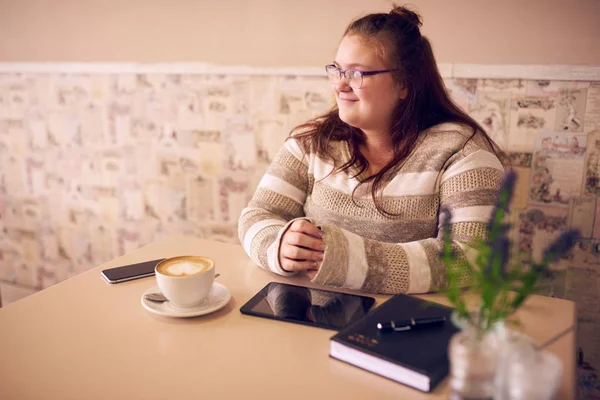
[403, 92]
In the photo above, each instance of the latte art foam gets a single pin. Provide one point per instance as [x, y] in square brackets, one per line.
[183, 268]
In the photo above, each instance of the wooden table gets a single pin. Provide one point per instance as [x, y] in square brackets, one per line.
[87, 339]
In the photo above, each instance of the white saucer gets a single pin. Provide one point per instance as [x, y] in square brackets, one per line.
[218, 298]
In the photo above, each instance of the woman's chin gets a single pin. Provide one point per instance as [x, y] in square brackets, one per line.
[349, 118]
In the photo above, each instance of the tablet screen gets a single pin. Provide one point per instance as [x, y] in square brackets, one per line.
[316, 307]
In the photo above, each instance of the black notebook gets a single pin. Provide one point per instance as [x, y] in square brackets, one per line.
[417, 358]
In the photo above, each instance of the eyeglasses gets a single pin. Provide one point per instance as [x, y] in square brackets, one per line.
[352, 76]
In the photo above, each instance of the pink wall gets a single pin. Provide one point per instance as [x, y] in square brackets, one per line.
[290, 33]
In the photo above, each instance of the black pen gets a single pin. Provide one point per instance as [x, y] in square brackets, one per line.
[408, 324]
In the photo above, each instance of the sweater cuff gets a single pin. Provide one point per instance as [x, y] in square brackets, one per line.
[334, 267]
[273, 250]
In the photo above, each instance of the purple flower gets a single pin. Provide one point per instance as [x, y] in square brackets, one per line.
[446, 218]
[500, 256]
[561, 246]
[503, 200]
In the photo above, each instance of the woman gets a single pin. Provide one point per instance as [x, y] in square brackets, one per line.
[353, 198]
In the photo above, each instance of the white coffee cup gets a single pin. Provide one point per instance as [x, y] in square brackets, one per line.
[186, 280]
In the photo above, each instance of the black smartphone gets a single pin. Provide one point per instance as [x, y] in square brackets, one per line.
[314, 307]
[130, 272]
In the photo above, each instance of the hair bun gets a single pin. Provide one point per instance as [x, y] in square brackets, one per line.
[407, 15]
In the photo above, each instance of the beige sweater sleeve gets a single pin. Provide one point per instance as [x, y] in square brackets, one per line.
[277, 202]
[468, 187]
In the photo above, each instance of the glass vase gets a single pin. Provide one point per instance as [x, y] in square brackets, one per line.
[473, 365]
[527, 373]
[511, 342]
[474, 359]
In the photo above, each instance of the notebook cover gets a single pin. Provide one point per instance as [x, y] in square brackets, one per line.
[422, 350]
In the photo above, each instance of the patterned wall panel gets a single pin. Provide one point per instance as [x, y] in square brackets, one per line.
[95, 165]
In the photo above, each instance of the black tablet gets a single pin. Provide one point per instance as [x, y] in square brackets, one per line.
[315, 307]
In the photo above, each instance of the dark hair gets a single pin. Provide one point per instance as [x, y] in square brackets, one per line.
[398, 39]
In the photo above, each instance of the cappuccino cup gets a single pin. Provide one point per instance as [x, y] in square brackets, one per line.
[186, 280]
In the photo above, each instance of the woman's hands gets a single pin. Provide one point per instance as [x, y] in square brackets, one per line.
[302, 248]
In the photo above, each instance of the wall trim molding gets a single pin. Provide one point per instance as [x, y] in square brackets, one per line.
[550, 72]
[447, 70]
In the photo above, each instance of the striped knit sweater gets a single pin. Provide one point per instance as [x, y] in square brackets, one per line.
[367, 250]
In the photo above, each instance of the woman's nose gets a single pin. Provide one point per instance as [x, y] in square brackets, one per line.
[342, 85]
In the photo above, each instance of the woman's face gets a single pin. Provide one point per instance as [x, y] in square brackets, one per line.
[369, 108]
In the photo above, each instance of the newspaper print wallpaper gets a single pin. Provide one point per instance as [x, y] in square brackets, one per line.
[95, 165]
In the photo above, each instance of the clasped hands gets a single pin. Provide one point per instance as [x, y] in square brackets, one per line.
[302, 248]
